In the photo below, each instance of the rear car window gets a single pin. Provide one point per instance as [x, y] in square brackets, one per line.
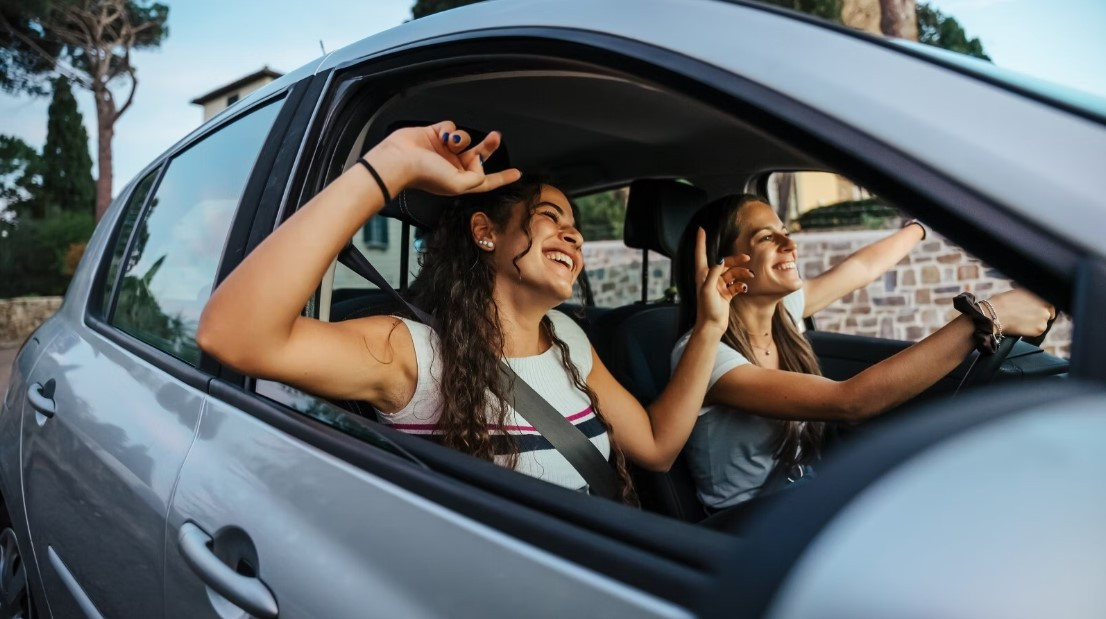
[177, 244]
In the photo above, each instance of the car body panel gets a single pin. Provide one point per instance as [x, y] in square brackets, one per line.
[1013, 528]
[99, 474]
[366, 543]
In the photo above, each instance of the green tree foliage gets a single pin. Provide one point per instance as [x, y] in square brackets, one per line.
[423, 8]
[871, 213]
[826, 9]
[602, 215]
[66, 166]
[26, 57]
[940, 30]
[33, 253]
[19, 163]
[88, 41]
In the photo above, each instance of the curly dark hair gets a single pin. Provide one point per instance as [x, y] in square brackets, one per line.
[455, 286]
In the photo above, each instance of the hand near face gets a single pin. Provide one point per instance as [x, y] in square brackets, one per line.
[720, 283]
[441, 159]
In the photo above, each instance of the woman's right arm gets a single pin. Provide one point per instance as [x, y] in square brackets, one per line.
[893, 381]
[253, 321]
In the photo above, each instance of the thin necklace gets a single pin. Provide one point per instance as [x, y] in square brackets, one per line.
[767, 349]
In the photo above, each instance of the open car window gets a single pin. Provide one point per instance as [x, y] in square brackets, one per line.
[831, 217]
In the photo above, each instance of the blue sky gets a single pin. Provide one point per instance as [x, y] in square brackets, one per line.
[213, 42]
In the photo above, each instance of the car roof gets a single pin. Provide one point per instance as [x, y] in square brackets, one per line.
[1040, 161]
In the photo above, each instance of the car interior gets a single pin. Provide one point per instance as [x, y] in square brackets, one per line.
[591, 130]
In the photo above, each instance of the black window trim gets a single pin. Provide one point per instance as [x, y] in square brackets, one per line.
[94, 302]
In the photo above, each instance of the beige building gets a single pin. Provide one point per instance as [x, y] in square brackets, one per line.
[224, 96]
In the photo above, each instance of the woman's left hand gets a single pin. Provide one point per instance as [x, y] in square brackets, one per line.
[720, 283]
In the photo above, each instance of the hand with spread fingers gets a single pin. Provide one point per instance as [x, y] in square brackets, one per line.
[719, 284]
[439, 159]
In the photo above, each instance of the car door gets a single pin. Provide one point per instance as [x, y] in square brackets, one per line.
[116, 397]
[265, 523]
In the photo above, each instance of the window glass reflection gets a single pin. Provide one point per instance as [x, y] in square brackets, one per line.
[178, 244]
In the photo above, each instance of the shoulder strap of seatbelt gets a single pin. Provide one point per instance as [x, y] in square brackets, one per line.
[566, 438]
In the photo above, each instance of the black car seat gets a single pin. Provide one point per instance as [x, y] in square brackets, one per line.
[635, 341]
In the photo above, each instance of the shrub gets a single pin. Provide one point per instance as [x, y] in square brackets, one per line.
[869, 213]
[37, 257]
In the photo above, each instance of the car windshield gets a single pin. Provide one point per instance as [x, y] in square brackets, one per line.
[1063, 95]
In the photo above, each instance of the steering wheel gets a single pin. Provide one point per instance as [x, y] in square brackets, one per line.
[986, 367]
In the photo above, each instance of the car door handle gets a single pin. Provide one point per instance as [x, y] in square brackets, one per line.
[42, 398]
[249, 594]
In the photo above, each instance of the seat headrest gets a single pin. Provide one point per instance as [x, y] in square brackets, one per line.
[657, 212]
[422, 209]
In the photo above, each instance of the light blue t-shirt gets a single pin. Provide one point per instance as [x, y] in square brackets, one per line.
[731, 452]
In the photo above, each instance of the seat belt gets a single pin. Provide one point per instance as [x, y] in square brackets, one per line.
[566, 438]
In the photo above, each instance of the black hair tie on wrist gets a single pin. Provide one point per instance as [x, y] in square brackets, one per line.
[984, 335]
[376, 176]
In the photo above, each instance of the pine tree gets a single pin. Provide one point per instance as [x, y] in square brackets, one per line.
[940, 30]
[66, 165]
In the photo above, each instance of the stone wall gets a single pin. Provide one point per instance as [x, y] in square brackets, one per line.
[614, 272]
[914, 298]
[20, 316]
[911, 300]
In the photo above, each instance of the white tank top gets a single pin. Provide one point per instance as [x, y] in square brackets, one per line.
[544, 373]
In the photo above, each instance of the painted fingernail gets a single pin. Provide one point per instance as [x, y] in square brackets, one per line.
[456, 138]
[445, 137]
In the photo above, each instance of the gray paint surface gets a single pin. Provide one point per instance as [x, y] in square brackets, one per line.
[98, 475]
[1005, 520]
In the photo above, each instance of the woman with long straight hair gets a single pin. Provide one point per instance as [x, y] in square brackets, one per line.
[501, 258]
[767, 401]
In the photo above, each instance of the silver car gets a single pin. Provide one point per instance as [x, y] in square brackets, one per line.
[140, 478]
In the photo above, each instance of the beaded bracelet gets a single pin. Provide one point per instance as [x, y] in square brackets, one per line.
[994, 318]
[986, 335]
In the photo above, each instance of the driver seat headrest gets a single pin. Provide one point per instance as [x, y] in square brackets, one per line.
[657, 212]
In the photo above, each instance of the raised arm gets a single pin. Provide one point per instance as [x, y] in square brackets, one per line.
[655, 437]
[253, 323]
[860, 269]
[792, 395]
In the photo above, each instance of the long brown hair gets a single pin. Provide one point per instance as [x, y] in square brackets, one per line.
[797, 442]
[455, 285]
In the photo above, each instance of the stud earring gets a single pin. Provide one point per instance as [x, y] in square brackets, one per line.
[486, 244]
